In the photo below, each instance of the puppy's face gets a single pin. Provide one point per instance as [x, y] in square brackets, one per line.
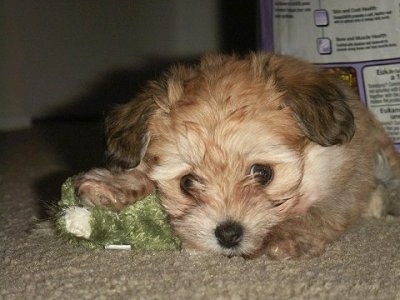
[225, 144]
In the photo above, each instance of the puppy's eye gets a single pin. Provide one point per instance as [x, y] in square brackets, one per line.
[263, 173]
[276, 203]
[186, 183]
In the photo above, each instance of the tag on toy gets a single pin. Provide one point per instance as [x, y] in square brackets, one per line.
[142, 225]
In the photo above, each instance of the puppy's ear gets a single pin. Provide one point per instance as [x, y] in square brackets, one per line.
[127, 134]
[127, 126]
[318, 100]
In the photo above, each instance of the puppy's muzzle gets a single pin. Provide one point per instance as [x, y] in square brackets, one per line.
[229, 234]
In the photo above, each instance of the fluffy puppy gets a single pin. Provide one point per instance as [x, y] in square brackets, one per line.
[263, 153]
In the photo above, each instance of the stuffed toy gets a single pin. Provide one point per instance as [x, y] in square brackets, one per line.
[142, 225]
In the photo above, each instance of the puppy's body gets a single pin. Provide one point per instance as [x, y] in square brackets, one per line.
[262, 153]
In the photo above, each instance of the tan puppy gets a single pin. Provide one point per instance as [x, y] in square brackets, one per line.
[254, 154]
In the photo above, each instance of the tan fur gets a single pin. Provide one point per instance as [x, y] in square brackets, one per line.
[212, 122]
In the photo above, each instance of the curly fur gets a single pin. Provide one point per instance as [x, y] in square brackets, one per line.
[212, 122]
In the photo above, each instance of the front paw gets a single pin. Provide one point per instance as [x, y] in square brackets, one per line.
[93, 189]
[291, 249]
[114, 190]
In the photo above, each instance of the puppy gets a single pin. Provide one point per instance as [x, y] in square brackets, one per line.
[255, 154]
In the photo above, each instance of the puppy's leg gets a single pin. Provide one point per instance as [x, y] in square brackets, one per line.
[112, 189]
[387, 193]
[304, 236]
[386, 198]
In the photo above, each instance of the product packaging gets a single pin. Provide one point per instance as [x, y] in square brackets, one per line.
[359, 39]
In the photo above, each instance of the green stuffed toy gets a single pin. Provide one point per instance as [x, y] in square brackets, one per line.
[142, 225]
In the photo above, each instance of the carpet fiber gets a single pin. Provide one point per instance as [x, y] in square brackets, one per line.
[35, 264]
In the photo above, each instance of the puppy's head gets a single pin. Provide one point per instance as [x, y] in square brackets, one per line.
[224, 142]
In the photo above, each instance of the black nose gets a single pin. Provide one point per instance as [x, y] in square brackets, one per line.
[229, 234]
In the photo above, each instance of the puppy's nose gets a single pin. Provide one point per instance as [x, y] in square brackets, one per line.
[229, 234]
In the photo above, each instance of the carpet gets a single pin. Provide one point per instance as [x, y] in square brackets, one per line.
[36, 264]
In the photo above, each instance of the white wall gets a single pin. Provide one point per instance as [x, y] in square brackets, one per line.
[50, 49]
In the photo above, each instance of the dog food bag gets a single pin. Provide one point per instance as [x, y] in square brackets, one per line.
[358, 39]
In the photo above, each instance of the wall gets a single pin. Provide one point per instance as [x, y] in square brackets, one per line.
[51, 50]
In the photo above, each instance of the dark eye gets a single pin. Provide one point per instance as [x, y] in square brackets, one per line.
[187, 183]
[263, 173]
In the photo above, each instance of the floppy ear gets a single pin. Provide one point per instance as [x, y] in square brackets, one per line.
[127, 134]
[318, 100]
[127, 126]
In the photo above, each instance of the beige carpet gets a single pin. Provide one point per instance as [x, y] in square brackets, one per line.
[363, 264]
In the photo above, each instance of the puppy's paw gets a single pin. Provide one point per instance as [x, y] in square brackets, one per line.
[77, 221]
[115, 190]
[385, 201]
[96, 189]
[293, 248]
